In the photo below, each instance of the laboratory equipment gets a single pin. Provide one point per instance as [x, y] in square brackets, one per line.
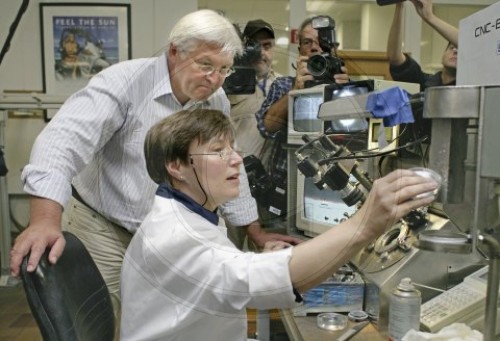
[340, 293]
[466, 205]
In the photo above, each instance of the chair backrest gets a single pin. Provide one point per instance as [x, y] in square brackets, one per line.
[69, 300]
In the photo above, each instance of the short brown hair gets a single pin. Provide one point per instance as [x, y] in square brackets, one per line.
[169, 139]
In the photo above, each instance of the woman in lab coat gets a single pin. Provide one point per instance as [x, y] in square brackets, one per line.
[182, 279]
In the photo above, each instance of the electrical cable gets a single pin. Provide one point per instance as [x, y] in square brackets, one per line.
[199, 184]
[367, 156]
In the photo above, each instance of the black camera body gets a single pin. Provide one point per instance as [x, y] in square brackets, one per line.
[388, 2]
[243, 81]
[323, 66]
[251, 53]
[269, 192]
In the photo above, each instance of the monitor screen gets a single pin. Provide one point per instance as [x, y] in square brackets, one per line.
[319, 210]
[305, 112]
[348, 125]
[324, 206]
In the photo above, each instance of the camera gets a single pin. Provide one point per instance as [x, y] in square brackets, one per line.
[323, 66]
[243, 81]
[388, 2]
[268, 191]
[251, 53]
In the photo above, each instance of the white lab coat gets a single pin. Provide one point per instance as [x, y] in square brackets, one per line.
[182, 279]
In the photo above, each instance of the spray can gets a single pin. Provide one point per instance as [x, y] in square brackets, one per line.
[404, 309]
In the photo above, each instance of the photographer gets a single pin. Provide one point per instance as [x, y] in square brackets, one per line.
[272, 117]
[259, 41]
[404, 68]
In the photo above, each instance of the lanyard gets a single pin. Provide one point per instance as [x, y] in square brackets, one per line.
[262, 86]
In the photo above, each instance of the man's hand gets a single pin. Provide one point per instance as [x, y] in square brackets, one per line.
[424, 9]
[43, 232]
[342, 78]
[261, 237]
[302, 73]
[275, 246]
[446, 30]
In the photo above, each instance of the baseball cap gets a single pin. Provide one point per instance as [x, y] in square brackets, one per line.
[254, 26]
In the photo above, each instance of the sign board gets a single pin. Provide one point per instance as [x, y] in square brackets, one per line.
[479, 48]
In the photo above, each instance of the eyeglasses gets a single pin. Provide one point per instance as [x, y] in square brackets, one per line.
[223, 154]
[209, 69]
[308, 42]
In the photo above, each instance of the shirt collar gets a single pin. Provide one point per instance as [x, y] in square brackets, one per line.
[162, 84]
[167, 191]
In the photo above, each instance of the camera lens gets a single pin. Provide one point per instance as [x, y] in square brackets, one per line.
[317, 65]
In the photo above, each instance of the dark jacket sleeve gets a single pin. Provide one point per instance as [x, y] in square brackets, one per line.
[410, 71]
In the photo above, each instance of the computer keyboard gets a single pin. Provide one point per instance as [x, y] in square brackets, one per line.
[454, 305]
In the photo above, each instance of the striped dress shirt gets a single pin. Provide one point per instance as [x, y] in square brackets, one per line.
[96, 143]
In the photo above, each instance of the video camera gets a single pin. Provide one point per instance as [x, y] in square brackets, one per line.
[323, 66]
[243, 81]
[268, 190]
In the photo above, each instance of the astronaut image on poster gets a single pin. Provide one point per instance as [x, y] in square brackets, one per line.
[83, 46]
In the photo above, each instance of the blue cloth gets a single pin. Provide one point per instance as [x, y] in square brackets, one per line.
[392, 105]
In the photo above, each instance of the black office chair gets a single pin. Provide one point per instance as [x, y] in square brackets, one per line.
[69, 300]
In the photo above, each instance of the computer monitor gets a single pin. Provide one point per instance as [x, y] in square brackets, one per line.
[347, 125]
[304, 104]
[318, 210]
[340, 108]
[351, 132]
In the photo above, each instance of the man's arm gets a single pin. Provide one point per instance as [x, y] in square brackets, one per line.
[260, 237]
[276, 101]
[277, 115]
[47, 177]
[273, 114]
[44, 231]
[395, 40]
[424, 10]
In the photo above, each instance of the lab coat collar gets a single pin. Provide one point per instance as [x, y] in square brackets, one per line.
[167, 191]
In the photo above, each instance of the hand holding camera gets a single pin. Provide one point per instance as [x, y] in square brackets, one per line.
[302, 72]
[323, 67]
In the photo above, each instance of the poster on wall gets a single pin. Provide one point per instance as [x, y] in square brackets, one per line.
[79, 40]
